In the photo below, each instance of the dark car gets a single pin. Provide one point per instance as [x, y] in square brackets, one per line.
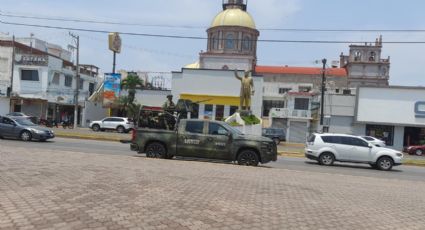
[24, 129]
[276, 134]
[418, 150]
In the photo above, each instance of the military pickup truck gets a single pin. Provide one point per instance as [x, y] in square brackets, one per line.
[204, 139]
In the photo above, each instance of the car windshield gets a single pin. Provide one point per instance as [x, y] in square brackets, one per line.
[25, 122]
[232, 129]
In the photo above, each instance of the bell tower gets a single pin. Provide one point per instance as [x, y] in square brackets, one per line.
[232, 39]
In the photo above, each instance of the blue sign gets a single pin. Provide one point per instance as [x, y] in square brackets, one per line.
[420, 109]
[111, 88]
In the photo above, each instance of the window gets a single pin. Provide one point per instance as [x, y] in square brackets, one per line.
[7, 121]
[208, 112]
[246, 43]
[368, 138]
[353, 141]
[195, 111]
[304, 89]
[108, 119]
[56, 79]
[219, 112]
[230, 42]
[372, 56]
[29, 75]
[233, 110]
[284, 90]
[216, 129]
[68, 81]
[357, 56]
[195, 127]
[382, 132]
[81, 83]
[311, 138]
[301, 103]
[91, 89]
[269, 104]
[214, 42]
[332, 139]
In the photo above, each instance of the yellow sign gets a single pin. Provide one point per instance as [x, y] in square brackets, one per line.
[212, 99]
[114, 42]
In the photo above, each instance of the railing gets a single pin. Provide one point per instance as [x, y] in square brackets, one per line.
[290, 113]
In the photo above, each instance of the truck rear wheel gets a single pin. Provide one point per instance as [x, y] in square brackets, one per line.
[248, 157]
[156, 150]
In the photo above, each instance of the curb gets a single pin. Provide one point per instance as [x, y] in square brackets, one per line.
[87, 137]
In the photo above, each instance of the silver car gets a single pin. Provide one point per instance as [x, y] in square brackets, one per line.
[24, 129]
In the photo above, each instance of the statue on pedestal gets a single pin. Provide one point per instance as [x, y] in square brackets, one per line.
[247, 89]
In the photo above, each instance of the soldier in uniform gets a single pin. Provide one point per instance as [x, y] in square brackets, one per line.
[169, 108]
[247, 89]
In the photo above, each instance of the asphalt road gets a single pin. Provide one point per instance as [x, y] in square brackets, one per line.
[411, 173]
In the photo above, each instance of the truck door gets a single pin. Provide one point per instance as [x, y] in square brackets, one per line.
[218, 143]
[191, 138]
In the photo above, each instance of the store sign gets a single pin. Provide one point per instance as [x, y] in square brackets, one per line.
[30, 59]
[114, 42]
[420, 109]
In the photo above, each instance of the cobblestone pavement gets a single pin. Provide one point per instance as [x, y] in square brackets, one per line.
[69, 190]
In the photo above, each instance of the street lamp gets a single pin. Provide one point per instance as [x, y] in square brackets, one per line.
[322, 103]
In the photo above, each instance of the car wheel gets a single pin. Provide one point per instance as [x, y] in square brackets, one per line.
[120, 129]
[96, 128]
[248, 157]
[384, 163]
[326, 159]
[419, 152]
[276, 140]
[26, 136]
[156, 150]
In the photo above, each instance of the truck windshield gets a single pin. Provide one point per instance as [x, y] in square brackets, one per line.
[231, 129]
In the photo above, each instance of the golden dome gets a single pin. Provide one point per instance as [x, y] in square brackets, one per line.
[234, 17]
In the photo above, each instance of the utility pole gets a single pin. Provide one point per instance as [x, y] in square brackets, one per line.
[114, 62]
[77, 85]
[322, 103]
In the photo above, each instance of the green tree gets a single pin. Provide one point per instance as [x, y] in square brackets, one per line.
[131, 83]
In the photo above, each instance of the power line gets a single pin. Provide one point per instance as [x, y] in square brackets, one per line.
[203, 38]
[79, 20]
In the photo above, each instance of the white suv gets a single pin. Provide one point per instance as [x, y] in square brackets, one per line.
[120, 124]
[327, 148]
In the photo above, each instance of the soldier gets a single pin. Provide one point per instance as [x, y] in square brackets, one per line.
[169, 107]
[247, 89]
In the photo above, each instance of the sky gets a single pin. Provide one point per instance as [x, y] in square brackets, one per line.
[165, 54]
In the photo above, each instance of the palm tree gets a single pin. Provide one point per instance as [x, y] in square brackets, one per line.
[131, 83]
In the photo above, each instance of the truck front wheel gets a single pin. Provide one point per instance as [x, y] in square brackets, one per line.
[156, 150]
[248, 157]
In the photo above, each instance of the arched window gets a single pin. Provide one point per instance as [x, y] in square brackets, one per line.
[246, 43]
[214, 42]
[230, 42]
[372, 56]
[357, 56]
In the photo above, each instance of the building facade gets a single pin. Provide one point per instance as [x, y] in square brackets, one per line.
[42, 84]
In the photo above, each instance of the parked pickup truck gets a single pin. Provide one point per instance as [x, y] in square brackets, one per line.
[205, 139]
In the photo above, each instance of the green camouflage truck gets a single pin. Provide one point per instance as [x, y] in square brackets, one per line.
[205, 139]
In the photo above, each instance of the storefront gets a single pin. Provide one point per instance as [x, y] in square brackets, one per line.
[394, 114]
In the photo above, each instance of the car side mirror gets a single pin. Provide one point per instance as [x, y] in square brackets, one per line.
[370, 146]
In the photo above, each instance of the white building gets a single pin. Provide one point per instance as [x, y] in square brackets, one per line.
[42, 84]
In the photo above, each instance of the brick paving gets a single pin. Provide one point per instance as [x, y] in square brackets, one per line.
[69, 190]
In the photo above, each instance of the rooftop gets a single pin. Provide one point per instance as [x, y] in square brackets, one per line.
[339, 72]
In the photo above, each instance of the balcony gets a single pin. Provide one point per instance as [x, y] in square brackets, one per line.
[290, 113]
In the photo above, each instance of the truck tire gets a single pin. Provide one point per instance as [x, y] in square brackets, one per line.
[156, 150]
[248, 158]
